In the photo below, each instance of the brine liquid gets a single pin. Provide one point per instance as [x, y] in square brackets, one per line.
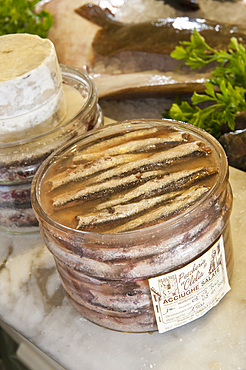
[98, 184]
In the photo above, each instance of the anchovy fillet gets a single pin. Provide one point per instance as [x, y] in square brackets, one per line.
[179, 204]
[123, 211]
[106, 187]
[165, 183]
[157, 160]
[112, 141]
[144, 144]
[84, 170]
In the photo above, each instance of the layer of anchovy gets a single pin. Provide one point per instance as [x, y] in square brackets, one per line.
[133, 179]
[132, 174]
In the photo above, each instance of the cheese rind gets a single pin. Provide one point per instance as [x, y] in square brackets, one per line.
[30, 83]
[36, 142]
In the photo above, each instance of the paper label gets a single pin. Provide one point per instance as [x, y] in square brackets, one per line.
[184, 295]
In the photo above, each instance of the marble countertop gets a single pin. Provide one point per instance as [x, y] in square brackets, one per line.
[32, 301]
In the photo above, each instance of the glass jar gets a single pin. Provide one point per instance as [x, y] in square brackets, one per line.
[20, 158]
[105, 272]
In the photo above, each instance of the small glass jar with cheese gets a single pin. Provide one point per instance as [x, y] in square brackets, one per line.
[44, 105]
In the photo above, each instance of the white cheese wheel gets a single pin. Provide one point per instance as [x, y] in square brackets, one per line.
[30, 83]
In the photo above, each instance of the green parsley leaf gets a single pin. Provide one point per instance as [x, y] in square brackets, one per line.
[225, 91]
[18, 16]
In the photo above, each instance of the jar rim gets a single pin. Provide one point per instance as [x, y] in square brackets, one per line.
[80, 76]
[177, 219]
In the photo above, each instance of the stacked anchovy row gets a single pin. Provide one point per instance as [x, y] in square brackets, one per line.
[133, 171]
[134, 180]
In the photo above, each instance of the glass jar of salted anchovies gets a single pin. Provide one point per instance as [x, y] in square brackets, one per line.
[135, 202]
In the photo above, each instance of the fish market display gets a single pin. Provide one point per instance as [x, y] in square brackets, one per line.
[132, 201]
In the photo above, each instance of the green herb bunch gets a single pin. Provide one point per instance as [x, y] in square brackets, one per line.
[225, 92]
[18, 16]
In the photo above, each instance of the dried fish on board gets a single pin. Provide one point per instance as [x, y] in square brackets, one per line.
[148, 83]
[166, 33]
[73, 37]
